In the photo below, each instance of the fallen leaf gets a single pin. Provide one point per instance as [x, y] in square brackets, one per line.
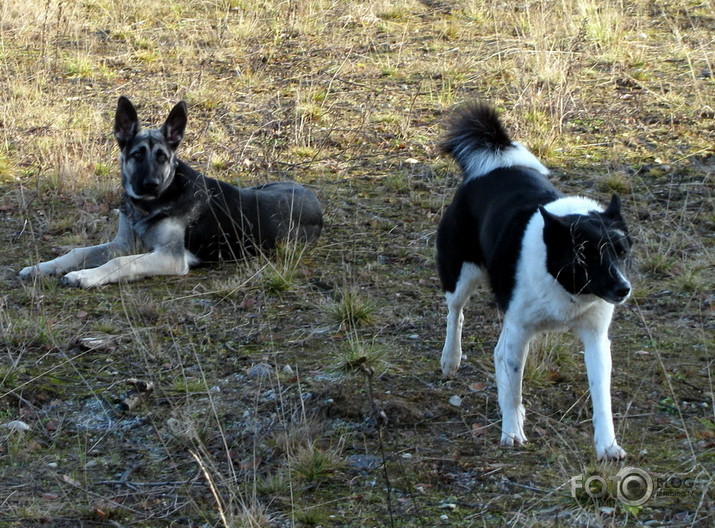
[52, 425]
[479, 429]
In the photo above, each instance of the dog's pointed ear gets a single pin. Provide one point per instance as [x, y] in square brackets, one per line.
[126, 122]
[552, 219]
[175, 124]
[613, 211]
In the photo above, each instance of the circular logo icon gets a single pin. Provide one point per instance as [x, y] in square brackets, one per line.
[634, 486]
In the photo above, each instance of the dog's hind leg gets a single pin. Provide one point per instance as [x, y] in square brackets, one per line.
[456, 301]
[509, 360]
[597, 351]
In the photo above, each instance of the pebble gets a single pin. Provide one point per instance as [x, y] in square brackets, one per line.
[16, 425]
[455, 401]
[259, 370]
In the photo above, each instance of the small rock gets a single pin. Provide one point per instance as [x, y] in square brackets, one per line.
[16, 425]
[364, 462]
[98, 342]
[259, 370]
[130, 402]
[141, 385]
[52, 465]
[455, 401]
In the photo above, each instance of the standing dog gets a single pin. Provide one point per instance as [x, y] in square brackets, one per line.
[552, 262]
[171, 217]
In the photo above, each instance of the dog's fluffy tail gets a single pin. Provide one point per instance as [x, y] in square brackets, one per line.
[479, 143]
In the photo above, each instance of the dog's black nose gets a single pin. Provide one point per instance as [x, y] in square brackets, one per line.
[622, 291]
[617, 293]
[151, 186]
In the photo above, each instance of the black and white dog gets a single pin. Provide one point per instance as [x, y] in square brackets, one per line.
[552, 262]
[172, 218]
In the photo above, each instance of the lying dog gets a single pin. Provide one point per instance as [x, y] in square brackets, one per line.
[552, 261]
[172, 218]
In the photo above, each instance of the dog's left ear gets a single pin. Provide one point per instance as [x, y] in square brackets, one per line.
[613, 211]
[175, 124]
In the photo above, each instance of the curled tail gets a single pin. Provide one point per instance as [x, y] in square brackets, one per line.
[479, 143]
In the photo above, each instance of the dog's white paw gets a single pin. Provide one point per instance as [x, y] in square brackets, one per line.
[29, 272]
[451, 359]
[610, 452]
[82, 279]
[43, 268]
[513, 426]
[512, 439]
[450, 366]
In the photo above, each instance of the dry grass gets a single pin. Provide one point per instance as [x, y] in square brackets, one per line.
[249, 425]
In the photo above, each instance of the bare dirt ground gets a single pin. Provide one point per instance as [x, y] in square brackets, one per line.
[303, 388]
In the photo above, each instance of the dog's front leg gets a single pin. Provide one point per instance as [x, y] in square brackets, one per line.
[85, 257]
[129, 268]
[509, 360]
[597, 350]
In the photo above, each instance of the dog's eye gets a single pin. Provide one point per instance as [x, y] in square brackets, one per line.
[161, 157]
[138, 155]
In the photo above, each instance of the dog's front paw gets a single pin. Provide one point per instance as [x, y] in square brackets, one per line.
[450, 368]
[450, 362]
[82, 279]
[29, 272]
[611, 451]
[43, 268]
[512, 432]
[511, 439]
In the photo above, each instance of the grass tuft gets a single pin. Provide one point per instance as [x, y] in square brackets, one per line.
[351, 309]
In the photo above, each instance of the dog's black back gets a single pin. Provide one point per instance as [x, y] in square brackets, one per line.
[484, 223]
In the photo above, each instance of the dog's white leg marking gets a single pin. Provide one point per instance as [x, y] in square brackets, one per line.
[456, 301]
[509, 359]
[130, 268]
[169, 257]
[86, 257]
[597, 350]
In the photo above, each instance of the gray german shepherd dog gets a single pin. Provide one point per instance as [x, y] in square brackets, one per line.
[172, 218]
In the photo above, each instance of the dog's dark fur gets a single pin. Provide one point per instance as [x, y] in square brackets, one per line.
[552, 261]
[171, 217]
